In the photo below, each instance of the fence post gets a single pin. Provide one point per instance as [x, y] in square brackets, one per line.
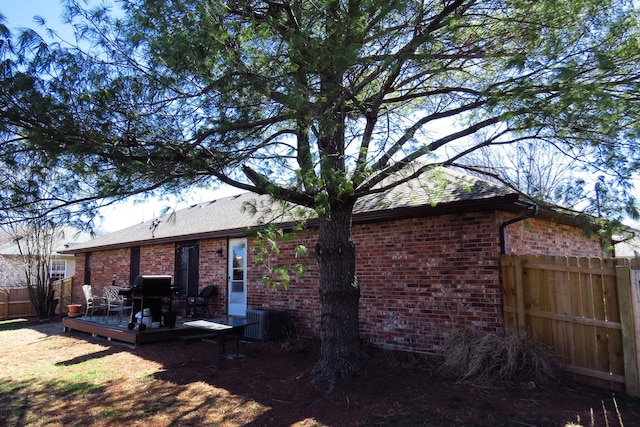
[627, 301]
[635, 304]
[4, 314]
[67, 285]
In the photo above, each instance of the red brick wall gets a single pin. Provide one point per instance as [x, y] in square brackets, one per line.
[104, 264]
[213, 271]
[300, 300]
[157, 259]
[77, 297]
[536, 237]
[419, 277]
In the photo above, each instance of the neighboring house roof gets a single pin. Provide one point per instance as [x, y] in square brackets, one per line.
[69, 237]
[627, 245]
[230, 216]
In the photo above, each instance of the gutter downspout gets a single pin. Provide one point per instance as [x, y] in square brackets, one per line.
[533, 210]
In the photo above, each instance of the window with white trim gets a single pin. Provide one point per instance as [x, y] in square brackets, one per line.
[58, 269]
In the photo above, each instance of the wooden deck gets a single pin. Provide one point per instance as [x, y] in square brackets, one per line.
[123, 334]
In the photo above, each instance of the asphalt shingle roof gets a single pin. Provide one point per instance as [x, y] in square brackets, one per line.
[233, 215]
[67, 237]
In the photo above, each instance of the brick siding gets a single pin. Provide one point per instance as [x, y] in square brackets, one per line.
[419, 277]
[537, 237]
[157, 259]
[213, 271]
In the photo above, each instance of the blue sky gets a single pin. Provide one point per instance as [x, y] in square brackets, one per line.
[20, 13]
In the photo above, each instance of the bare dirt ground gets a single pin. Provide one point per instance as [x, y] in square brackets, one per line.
[53, 378]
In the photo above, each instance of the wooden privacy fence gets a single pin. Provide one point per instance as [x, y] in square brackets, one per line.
[15, 302]
[586, 309]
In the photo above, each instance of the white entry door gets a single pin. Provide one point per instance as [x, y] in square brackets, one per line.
[237, 277]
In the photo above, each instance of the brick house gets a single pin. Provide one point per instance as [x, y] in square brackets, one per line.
[428, 257]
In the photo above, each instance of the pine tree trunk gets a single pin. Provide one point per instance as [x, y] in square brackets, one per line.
[339, 298]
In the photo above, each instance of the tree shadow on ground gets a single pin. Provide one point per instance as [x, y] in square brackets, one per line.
[176, 383]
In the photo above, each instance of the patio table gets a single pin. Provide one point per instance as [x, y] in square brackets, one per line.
[223, 329]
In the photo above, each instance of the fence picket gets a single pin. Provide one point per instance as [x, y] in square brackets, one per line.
[575, 306]
[15, 301]
[510, 289]
[4, 304]
[579, 336]
[634, 300]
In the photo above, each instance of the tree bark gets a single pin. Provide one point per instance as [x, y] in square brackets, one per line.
[339, 297]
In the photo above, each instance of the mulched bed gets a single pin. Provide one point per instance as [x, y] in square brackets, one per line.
[272, 387]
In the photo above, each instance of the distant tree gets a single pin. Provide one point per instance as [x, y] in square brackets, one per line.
[36, 240]
[34, 213]
[10, 273]
[316, 103]
[533, 168]
[544, 173]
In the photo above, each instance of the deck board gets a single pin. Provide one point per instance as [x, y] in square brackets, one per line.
[121, 333]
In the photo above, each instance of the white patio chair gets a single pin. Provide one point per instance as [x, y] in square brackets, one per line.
[94, 303]
[115, 302]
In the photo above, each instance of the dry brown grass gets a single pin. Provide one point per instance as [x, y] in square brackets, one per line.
[487, 358]
[51, 378]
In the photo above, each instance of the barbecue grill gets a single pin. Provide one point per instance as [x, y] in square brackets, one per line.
[149, 292]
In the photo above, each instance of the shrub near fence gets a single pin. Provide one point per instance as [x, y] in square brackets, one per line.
[586, 309]
[15, 302]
